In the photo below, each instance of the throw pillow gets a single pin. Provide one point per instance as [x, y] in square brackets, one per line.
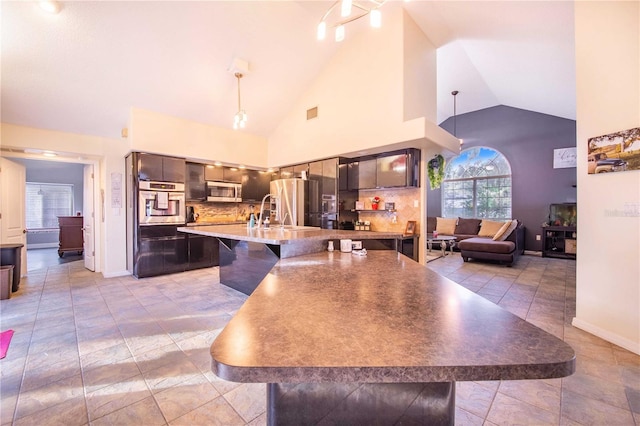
[506, 230]
[446, 226]
[489, 228]
[467, 226]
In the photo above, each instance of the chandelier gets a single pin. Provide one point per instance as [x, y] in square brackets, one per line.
[240, 119]
[349, 11]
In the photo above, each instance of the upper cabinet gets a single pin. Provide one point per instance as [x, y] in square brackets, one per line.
[160, 168]
[397, 169]
[213, 173]
[255, 185]
[231, 174]
[195, 185]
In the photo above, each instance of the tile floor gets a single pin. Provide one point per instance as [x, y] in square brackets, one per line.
[89, 350]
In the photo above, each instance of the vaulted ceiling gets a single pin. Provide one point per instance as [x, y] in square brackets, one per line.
[81, 70]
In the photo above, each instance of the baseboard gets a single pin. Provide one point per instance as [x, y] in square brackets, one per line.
[533, 253]
[115, 274]
[42, 245]
[623, 342]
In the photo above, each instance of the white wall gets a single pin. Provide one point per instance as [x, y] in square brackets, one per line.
[109, 153]
[364, 95]
[163, 134]
[608, 100]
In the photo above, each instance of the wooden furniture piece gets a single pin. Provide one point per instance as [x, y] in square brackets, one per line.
[559, 241]
[71, 236]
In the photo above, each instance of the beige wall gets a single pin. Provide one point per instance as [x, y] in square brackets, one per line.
[364, 95]
[608, 100]
[109, 154]
[158, 133]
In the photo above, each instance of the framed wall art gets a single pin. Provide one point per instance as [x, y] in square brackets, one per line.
[615, 152]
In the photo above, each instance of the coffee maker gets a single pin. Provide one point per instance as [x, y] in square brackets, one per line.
[191, 214]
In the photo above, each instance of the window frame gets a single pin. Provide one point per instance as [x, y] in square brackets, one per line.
[474, 188]
[40, 216]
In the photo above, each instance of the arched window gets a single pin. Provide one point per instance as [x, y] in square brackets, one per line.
[477, 183]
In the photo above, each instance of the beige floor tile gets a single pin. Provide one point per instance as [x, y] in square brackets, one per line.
[72, 412]
[612, 393]
[170, 375]
[213, 413]
[506, 410]
[589, 411]
[116, 396]
[465, 418]
[184, 397]
[114, 372]
[534, 392]
[144, 412]
[474, 398]
[49, 395]
[248, 399]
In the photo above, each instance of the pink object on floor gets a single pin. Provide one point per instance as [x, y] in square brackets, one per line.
[5, 339]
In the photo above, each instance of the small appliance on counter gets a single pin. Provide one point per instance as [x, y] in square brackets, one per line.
[191, 214]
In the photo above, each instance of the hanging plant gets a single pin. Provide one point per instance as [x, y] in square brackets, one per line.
[435, 169]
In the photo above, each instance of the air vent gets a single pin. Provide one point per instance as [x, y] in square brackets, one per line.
[312, 113]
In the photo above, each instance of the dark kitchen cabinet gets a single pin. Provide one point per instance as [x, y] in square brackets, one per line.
[343, 182]
[195, 186]
[203, 252]
[255, 185]
[367, 174]
[160, 168]
[330, 176]
[232, 174]
[391, 171]
[161, 250]
[353, 176]
[213, 173]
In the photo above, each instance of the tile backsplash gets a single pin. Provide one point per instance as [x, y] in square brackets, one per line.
[223, 212]
[383, 221]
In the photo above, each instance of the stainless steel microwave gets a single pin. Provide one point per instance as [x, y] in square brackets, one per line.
[226, 192]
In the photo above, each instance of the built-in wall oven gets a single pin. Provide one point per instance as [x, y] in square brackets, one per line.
[161, 203]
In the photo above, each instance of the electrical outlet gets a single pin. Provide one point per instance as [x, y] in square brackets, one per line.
[416, 203]
[538, 237]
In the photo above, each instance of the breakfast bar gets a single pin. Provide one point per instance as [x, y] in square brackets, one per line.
[248, 254]
[377, 339]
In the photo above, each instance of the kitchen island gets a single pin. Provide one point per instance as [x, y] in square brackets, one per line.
[379, 339]
[247, 255]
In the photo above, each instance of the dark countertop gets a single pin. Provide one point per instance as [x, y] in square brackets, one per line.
[338, 317]
[288, 235]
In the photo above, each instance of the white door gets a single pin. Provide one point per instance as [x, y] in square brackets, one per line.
[89, 218]
[13, 178]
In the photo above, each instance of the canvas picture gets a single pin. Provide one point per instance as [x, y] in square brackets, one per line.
[615, 152]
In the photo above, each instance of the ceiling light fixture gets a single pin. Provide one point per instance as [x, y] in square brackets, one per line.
[50, 6]
[347, 14]
[240, 119]
[455, 130]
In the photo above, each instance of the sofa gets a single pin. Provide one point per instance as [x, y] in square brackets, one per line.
[502, 242]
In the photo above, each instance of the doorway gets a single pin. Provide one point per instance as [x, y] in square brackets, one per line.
[56, 189]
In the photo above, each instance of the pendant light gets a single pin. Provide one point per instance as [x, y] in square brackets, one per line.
[240, 119]
[342, 12]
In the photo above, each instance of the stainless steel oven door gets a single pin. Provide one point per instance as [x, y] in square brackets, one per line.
[161, 208]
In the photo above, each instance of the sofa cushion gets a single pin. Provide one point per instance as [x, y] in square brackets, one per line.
[468, 226]
[489, 228]
[487, 245]
[506, 230]
[446, 226]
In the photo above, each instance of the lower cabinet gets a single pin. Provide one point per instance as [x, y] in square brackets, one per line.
[203, 252]
[159, 256]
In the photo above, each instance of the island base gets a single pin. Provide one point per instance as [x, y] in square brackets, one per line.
[361, 403]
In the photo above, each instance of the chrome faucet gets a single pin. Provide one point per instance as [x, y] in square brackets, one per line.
[262, 210]
[284, 220]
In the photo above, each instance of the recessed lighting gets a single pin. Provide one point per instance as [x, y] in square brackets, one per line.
[49, 154]
[209, 166]
[242, 166]
[50, 6]
[217, 163]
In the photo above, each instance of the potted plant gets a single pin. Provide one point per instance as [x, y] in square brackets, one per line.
[374, 202]
[435, 169]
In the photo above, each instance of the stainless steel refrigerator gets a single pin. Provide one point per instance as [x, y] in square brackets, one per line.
[295, 202]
